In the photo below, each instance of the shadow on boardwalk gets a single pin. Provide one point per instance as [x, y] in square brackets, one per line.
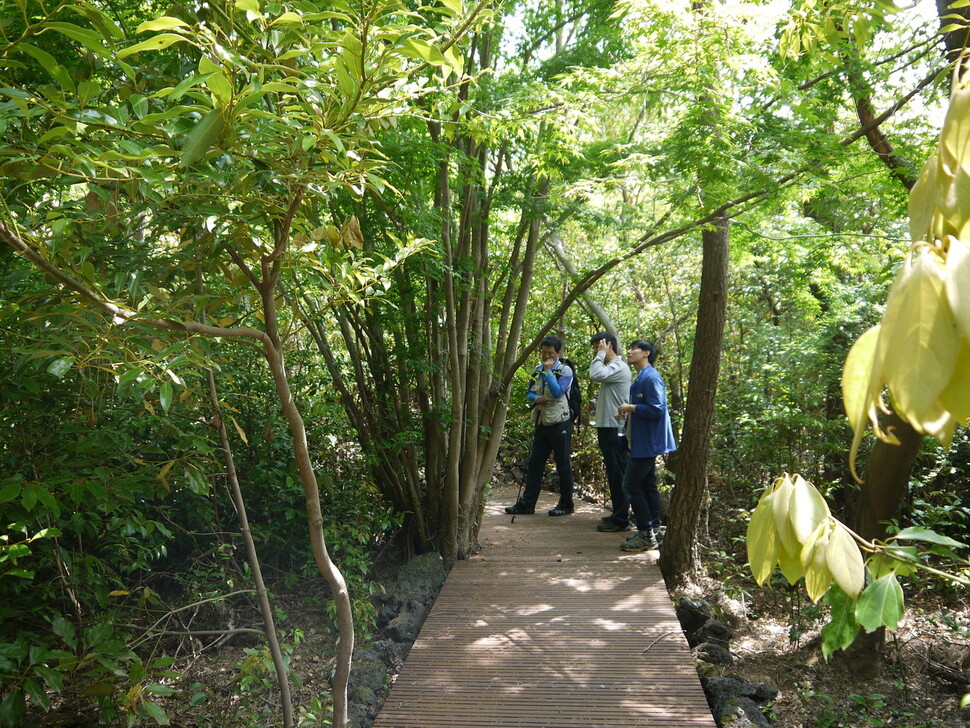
[550, 626]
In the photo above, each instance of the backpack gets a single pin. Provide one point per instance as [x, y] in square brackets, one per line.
[575, 396]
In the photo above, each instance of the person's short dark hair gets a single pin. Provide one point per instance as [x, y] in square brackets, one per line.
[554, 341]
[604, 336]
[647, 346]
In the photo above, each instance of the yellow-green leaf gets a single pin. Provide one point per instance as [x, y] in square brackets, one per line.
[165, 22]
[953, 187]
[163, 40]
[455, 6]
[780, 507]
[818, 577]
[922, 201]
[918, 340]
[762, 539]
[790, 563]
[806, 509]
[216, 81]
[955, 397]
[957, 274]
[844, 560]
[856, 377]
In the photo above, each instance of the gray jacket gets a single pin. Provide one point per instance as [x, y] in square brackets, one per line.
[614, 379]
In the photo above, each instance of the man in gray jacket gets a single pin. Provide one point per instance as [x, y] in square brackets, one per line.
[613, 374]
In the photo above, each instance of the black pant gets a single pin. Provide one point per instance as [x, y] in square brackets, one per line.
[555, 439]
[640, 486]
[615, 451]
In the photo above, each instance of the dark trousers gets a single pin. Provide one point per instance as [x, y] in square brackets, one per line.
[640, 487]
[615, 451]
[555, 439]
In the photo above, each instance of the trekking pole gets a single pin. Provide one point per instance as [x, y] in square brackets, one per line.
[517, 499]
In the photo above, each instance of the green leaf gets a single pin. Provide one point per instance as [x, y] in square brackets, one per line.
[88, 38]
[9, 492]
[455, 6]
[881, 604]
[156, 712]
[60, 367]
[165, 395]
[165, 22]
[202, 137]
[917, 533]
[842, 628]
[12, 708]
[159, 689]
[53, 679]
[159, 42]
[65, 630]
[46, 60]
[37, 694]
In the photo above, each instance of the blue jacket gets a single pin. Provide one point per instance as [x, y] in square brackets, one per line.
[651, 433]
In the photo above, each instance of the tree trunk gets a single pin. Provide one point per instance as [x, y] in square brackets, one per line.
[679, 559]
[886, 480]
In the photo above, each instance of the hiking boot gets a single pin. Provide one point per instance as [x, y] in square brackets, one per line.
[519, 509]
[560, 511]
[659, 532]
[610, 526]
[641, 541]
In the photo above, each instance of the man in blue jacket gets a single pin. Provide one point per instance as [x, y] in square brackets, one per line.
[548, 396]
[650, 435]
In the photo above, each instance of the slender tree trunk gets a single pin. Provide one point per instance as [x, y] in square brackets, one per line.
[252, 557]
[679, 559]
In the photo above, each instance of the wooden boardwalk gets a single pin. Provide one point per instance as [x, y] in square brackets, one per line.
[551, 626]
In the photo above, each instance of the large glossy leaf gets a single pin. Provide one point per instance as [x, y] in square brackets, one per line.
[790, 563]
[954, 151]
[762, 540]
[922, 201]
[844, 560]
[856, 375]
[955, 397]
[807, 509]
[881, 604]
[958, 283]
[918, 341]
[818, 577]
[781, 505]
[862, 383]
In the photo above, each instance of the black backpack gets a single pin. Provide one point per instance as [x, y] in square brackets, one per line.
[575, 395]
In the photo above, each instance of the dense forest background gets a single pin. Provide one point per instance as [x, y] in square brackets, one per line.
[274, 274]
